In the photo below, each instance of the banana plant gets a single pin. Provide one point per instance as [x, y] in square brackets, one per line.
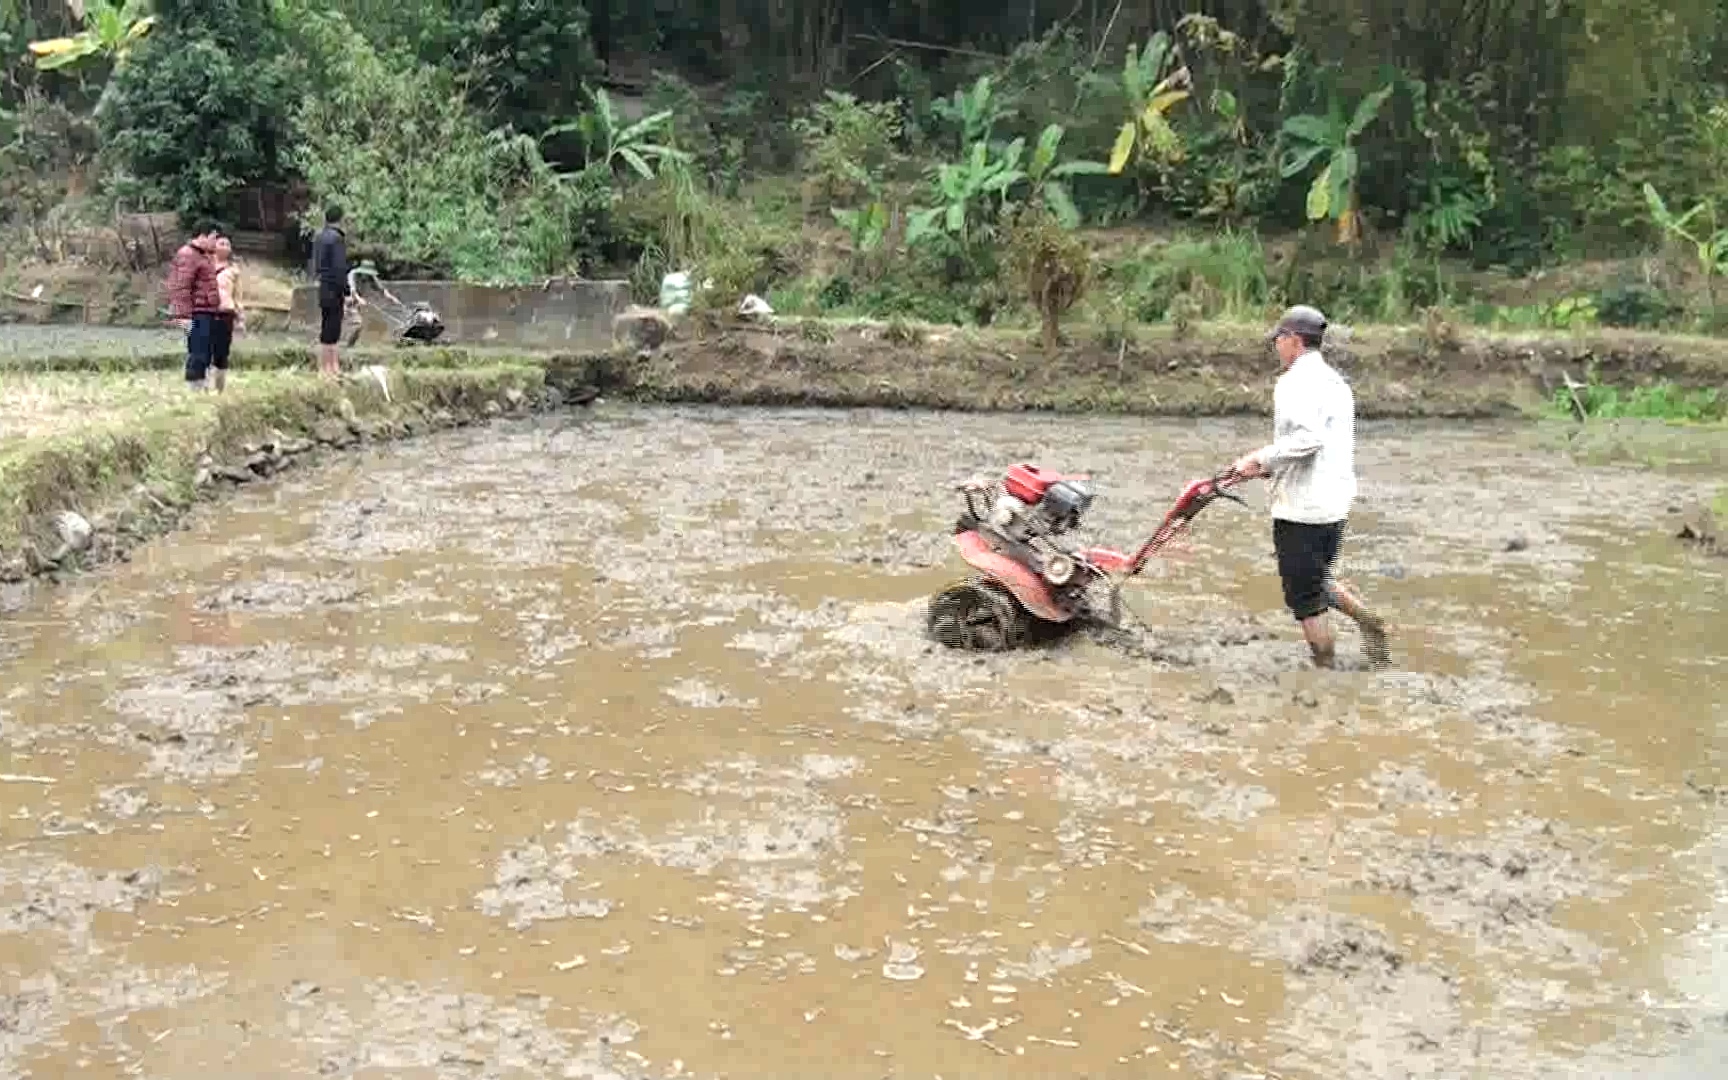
[610, 141]
[867, 224]
[1047, 176]
[1448, 214]
[1333, 193]
[1709, 248]
[111, 28]
[965, 188]
[974, 112]
[1154, 81]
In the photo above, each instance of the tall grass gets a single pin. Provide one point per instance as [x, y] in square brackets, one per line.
[1223, 276]
[1227, 271]
[682, 225]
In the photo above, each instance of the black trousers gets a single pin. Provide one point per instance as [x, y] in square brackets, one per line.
[1306, 554]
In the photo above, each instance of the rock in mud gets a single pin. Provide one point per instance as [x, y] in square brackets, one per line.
[332, 432]
[1218, 695]
[234, 474]
[1699, 527]
[34, 561]
[641, 329]
[74, 531]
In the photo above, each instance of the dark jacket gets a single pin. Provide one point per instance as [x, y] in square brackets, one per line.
[330, 264]
[192, 283]
[180, 281]
[206, 294]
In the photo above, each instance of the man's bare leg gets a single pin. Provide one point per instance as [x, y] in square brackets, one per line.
[1373, 628]
[219, 378]
[1320, 642]
[328, 362]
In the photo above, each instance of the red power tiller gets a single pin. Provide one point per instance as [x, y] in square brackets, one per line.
[1026, 579]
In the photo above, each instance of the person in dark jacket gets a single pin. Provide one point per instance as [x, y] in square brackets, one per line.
[195, 250]
[193, 296]
[330, 271]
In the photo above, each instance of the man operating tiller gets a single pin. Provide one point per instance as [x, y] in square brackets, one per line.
[1312, 467]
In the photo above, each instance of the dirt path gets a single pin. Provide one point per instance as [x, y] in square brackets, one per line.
[609, 746]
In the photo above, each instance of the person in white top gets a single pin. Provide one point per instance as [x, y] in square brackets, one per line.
[1312, 466]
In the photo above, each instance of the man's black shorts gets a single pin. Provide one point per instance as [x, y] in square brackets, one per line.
[1305, 557]
[329, 320]
[221, 340]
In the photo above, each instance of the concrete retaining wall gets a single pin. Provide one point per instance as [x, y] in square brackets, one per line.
[559, 315]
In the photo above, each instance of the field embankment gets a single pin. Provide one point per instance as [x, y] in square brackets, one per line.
[1215, 370]
[90, 464]
[99, 423]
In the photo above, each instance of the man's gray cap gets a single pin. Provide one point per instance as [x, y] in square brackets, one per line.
[1301, 319]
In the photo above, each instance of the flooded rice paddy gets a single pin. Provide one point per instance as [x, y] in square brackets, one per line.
[610, 745]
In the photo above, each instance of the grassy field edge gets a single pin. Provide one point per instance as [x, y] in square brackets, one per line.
[134, 479]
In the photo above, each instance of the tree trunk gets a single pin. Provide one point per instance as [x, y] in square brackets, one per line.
[1052, 329]
[600, 29]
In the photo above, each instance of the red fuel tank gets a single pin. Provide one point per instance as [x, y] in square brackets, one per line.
[1028, 482]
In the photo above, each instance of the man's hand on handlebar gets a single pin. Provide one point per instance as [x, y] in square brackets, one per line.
[1248, 467]
[1221, 487]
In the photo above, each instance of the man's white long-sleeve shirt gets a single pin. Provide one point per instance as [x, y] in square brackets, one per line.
[1312, 458]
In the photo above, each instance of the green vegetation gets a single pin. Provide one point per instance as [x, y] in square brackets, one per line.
[1652, 401]
[1454, 165]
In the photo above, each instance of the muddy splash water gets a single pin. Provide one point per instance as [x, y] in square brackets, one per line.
[611, 747]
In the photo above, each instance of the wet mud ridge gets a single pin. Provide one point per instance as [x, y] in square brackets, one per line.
[611, 746]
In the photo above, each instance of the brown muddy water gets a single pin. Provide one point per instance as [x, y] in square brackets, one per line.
[610, 746]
